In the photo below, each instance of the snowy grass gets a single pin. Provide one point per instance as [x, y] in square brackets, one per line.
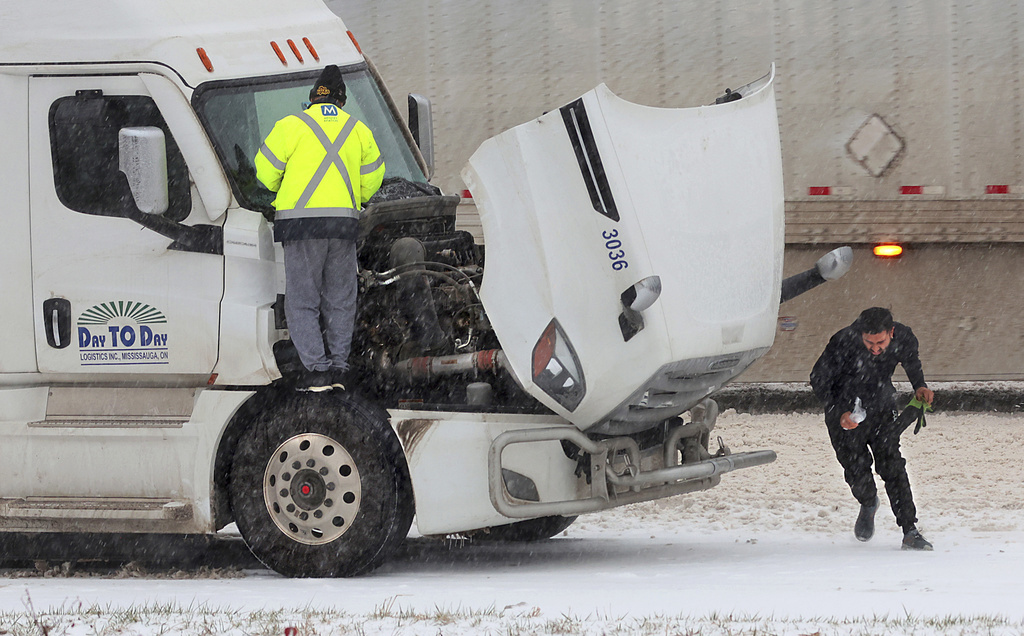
[391, 618]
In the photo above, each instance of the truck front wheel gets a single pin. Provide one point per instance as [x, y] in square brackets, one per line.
[320, 488]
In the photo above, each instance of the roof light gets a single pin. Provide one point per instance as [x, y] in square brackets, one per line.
[205, 59]
[277, 50]
[309, 45]
[353, 38]
[997, 189]
[295, 50]
[888, 250]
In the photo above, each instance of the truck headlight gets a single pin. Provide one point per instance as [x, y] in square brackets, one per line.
[556, 369]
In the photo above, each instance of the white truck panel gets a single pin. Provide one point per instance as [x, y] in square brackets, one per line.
[448, 462]
[697, 198]
[91, 470]
[17, 353]
[115, 275]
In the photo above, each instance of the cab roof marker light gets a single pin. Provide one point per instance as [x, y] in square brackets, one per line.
[888, 250]
[280, 55]
[353, 38]
[295, 50]
[312, 51]
[205, 59]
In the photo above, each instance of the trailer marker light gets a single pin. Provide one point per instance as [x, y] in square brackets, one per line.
[888, 250]
[829, 191]
[205, 59]
[353, 38]
[295, 50]
[932, 190]
[997, 189]
[277, 50]
[309, 45]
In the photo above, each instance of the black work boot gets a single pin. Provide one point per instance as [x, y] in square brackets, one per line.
[315, 382]
[864, 529]
[912, 540]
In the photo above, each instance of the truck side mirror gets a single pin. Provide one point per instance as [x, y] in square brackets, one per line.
[421, 123]
[142, 157]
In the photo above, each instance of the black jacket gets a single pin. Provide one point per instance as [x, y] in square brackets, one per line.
[846, 370]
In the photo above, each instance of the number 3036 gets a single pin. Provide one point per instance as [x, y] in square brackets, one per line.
[615, 251]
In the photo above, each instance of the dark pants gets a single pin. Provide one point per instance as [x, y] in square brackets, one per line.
[320, 300]
[877, 438]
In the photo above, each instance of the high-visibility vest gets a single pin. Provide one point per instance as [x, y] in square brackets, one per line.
[324, 165]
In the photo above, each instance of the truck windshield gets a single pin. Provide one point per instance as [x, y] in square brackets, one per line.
[239, 114]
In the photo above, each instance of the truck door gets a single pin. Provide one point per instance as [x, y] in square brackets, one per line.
[110, 296]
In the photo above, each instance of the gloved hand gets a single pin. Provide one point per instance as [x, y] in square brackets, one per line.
[922, 406]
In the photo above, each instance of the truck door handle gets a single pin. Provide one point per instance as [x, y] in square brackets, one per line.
[57, 322]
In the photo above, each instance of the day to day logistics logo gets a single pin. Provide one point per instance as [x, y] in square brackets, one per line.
[122, 332]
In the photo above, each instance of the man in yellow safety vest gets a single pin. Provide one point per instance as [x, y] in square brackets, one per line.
[324, 165]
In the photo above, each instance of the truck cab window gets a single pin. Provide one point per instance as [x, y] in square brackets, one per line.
[83, 142]
[239, 114]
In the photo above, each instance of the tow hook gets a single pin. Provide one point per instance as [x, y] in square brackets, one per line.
[723, 450]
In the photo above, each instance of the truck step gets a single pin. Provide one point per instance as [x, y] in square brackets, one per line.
[94, 508]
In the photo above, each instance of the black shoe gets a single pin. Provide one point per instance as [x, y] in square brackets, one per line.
[912, 540]
[339, 379]
[316, 382]
[864, 529]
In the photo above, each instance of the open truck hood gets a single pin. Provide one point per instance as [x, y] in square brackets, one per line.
[582, 203]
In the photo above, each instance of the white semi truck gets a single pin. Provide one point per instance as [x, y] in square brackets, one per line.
[633, 266]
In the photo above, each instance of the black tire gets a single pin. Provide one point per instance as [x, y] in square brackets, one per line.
[320, 487]
[527, 530]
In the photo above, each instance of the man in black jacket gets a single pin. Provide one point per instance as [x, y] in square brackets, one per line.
[858, 363]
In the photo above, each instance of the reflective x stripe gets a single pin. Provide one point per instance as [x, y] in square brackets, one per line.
[272, 158]
[371, 168]
[333, 157]
[308, 213]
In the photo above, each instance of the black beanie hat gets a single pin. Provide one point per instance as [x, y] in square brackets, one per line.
[329, 86]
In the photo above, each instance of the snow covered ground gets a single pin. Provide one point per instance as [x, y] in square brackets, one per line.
[770, 550]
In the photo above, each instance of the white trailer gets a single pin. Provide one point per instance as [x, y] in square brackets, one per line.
[147, 382]
[900, 122]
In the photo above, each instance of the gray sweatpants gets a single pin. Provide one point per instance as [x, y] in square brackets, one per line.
[320, 281]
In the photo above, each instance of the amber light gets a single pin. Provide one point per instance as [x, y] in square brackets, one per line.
[888, 250]
[205, 59]
[277, 50]
[309, 45]
[295, 50]
[353, 38]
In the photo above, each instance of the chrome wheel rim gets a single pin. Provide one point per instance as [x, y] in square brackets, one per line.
[312, 490]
